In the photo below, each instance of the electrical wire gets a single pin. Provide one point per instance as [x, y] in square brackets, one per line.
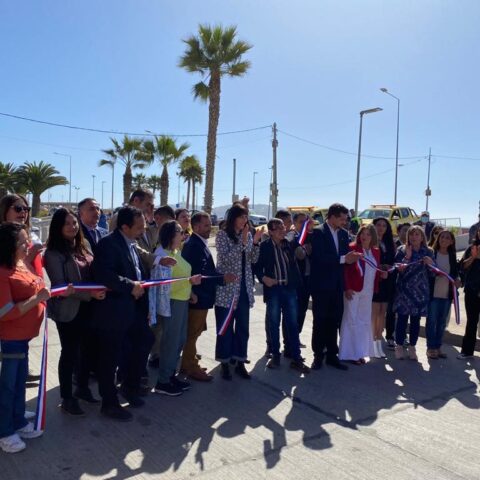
[326, 147]
[115, 132]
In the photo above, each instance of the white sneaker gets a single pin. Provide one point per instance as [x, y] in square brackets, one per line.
[28, 431]
[29, 415]
[376, 353]
[12, 444]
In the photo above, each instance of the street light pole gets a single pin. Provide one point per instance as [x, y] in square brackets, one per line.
[384, 90]
[93, 189]
[253, 196]
[113, 183]
[362, 113]
[103, 182]
[76, 193]
[70, 174]
[234, 178]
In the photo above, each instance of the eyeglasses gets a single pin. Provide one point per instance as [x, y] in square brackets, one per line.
[20, 208]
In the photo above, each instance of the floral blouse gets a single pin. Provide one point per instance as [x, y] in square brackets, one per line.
[229, 260]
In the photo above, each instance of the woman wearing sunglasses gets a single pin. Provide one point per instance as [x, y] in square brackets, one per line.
[14, 208]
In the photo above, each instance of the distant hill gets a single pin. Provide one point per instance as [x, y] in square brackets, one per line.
[260, 209]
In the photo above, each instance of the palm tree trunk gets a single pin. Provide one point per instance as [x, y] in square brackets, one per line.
[188, 194]
[213, 118]
[127, 184]
[35, 204]
[164, 186]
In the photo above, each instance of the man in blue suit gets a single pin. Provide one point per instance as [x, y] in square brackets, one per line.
[196, 252]
[329, 252]
[89, 214]
[123, 313]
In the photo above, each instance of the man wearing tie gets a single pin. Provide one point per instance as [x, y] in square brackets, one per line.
[89, 214]
[329, 252]
[122, 316]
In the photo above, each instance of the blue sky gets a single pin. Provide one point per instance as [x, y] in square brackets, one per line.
[315, 65]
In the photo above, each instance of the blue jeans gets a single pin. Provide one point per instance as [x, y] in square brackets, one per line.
[401, 329]
[234, 343]
[173, 338]
[436, 321]
[13, 376]
[283, 300]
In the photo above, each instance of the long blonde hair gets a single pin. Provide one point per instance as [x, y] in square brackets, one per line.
[373, 233]
[417, 228]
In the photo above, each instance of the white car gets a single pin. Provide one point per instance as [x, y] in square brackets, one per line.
[257, 220]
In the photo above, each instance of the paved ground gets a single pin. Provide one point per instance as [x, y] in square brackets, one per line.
[387, 419]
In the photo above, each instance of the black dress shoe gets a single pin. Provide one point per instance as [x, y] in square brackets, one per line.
[336, 364]
[241, 371]
[226, 375]
[71, 406]
[86, 395]
[132, 398]
[317, 364]
[117, 413]
[33, 378]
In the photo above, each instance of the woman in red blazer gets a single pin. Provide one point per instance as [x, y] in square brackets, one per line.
[361, 281]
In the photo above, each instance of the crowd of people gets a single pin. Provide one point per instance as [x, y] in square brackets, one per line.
[122, 333]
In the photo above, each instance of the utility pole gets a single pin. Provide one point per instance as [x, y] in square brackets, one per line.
[274, 192]
[234, 197]
[428, 192]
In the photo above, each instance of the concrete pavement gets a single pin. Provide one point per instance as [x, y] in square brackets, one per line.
[387, 419]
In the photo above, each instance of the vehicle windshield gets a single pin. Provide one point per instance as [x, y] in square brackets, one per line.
[371, 214]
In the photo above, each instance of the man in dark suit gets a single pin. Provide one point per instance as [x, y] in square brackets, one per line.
[123, 313]
[196, 252]
[329, 252]
[89, 215]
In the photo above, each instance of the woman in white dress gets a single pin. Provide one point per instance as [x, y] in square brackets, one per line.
[361, 281]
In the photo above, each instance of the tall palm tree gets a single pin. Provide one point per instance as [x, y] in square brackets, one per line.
[131, 154]
[36, 178]
[153, 183]
[192, 172]
[214, 53]
[8, 178]
[140, 181]
[166, 150]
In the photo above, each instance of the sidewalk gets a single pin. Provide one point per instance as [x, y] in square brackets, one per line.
[387, 419]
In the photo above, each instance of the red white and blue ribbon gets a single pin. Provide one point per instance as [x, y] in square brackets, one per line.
[228, 319]
[91, 287]
[81, 287]
[433, 268]
[39, 424]
[304, 232]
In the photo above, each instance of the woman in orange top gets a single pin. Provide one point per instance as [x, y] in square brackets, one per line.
[22, 304]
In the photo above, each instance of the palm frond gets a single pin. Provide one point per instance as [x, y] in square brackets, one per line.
[201, 91]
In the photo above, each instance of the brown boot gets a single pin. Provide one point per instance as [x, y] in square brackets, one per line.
[412, 353]
[399, 353]
[432, 354]
[200, 375]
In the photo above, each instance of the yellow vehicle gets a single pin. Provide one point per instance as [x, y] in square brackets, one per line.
[318, 215]
[394, 213]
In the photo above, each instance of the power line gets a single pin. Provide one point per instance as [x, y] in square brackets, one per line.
[115, 132]
[67, 147]
[326, 147]
[383, 172]
[457, 157]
